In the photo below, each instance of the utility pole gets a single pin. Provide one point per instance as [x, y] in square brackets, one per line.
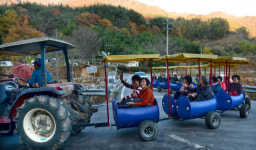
[201, 49]
[167, 36]
[106, 46]
[167, 33]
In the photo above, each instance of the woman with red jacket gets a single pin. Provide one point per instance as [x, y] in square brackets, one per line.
[146, 95]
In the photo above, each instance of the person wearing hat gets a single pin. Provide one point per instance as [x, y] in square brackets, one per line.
[36, 77]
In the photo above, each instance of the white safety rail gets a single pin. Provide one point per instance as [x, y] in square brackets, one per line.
[112, 91]
[249, 89]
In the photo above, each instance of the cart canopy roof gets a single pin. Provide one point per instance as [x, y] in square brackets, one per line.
[128, 58]
[175, 67]
[187, 57]
[222, 60]
[33, 46]
[159, 68]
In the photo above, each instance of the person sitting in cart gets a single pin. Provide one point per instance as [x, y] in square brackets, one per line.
[216, 87]
[36, 77]
[154, 78]
[146, 95]
[134, 97]
[204, 91]
[222, 84]
[160, 78]
[175, 79]
[183, 90]
[235, 87]
[182, 78]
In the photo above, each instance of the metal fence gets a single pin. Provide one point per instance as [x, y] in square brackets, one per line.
[250, 89]
[102, 92]
[88, 78]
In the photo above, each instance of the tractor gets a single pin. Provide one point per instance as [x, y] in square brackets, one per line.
[43, 117]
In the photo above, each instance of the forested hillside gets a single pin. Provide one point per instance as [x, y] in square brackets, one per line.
[148, 11]
[119, 30]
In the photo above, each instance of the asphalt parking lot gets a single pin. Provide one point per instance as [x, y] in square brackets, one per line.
[234, 133]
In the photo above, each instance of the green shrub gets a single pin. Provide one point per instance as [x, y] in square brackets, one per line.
[138, 69]
[122, 68]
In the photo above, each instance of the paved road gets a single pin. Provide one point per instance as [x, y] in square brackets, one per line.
[234, 133]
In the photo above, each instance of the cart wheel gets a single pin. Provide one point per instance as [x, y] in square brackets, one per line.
[244, 111]
[159, 89]
[148, 130]
[248, 102]
[213, 120]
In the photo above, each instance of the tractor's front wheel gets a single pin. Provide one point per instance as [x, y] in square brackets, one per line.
[43, 122]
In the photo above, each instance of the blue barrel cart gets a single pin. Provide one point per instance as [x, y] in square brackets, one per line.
[145, 118]
[184, 109]
[164, 85]
[165, 104]
[156, 83]
[227, 102]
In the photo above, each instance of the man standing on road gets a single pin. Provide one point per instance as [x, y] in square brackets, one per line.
[136, 89]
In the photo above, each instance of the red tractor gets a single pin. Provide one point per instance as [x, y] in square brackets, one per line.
[44, 117]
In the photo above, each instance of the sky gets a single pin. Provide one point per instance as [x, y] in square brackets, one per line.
[233, 7]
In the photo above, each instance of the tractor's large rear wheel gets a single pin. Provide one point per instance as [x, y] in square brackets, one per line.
[85, 112]
[43, 122]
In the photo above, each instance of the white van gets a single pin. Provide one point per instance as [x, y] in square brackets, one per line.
[5, 63]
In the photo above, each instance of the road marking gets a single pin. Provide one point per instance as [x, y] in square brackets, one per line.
[197, 146]
[122, 92]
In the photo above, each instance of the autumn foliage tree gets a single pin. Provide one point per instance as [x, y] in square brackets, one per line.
[133, 28]
[142, 28]
[16, 28]
[105, 23]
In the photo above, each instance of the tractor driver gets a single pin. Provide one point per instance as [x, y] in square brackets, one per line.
[36, 77]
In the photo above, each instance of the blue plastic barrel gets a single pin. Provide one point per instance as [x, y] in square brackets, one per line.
[163, 85]
[165, 104]
[190, 110]
[132, 117]
[227, 102]
[176, 86]
[173, 86]
[156, 83]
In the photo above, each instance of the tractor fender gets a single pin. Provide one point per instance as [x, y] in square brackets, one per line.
[24, 94]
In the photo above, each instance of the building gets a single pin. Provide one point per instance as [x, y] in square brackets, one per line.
[132, 64]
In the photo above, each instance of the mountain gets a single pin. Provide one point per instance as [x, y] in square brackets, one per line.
[149, 11]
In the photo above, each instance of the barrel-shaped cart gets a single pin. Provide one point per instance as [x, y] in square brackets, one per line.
[227, 102]
[165, 104]
[145, 118]
[190, 110]
[126, 116]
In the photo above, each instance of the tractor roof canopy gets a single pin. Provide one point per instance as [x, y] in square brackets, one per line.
[33, 46]
[38, 46]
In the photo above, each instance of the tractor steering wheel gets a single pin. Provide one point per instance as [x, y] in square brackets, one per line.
[20, 85]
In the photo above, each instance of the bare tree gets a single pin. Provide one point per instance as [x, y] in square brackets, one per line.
[159, 44]
[87, 43]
